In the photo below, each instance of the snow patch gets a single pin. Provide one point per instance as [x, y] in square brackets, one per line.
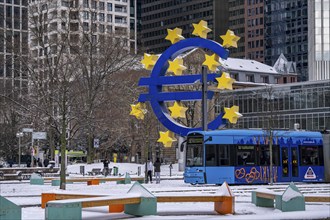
[290, 194]
[35, 176]
[224, 190]
[137, 188]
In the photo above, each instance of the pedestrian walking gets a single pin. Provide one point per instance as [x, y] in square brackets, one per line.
[149, 169]
[157, 170]
[106, 166]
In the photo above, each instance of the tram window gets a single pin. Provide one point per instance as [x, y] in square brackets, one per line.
[264, 155]
[246, 155]
[224, 155]
[210, 155]
[276, 154]
[309, 156]
[194, 155]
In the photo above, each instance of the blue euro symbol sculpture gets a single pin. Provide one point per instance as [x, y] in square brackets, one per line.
[157, 80]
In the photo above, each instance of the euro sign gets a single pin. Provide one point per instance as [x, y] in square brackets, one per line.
[157, 80]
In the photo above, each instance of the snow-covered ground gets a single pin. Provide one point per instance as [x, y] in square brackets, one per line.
[28, 196]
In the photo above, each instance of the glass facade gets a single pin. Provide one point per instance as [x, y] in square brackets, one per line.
[319, 40]
[13, 44]
[305, 103]
[286, 31]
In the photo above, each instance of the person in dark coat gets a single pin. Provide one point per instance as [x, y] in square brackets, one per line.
[46, 162]
[106, 166]
[28, 161]
[157, 170]
[39, 162]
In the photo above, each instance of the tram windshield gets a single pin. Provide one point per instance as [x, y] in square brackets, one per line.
[194, 151]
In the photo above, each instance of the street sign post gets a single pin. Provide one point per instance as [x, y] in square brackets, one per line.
[96, 143]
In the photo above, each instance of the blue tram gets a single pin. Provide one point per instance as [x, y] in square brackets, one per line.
[243, 157]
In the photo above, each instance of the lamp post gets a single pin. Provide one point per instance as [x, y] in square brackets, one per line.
[204, 98]
[19, 135]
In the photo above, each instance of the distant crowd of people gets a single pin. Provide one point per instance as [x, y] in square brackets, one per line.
[37, 162]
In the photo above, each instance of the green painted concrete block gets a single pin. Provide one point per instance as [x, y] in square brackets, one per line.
[254, 196]
[127, 179]
[37, 181]
[292, 199]
[278, 202]
[148, 206]
[121, 182]
[9, 210]
[56, 182]
[296, 204]
[262, 202]
[63, 211]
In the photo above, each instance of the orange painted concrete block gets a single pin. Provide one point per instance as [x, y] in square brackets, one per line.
[93, 182]
[116, 208]
[225, 207]
[45, 197]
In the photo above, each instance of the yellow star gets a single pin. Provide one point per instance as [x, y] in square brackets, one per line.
[225, 82]
[149, 61]
[138, 110]
[201, 29]
[174, 35]
[211, 62]
[178, 111]
[167, 138]
[176, 66]
[230, 39]
[232, 114]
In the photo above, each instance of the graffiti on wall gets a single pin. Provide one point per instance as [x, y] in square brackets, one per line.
[255, 174]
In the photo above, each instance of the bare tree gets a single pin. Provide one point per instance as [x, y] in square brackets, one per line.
[99, 55]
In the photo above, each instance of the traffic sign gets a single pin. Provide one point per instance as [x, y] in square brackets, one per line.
[27, 130]
[39, 135]
[96, 143]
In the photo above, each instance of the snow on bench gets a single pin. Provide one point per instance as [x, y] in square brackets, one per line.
[138, 201]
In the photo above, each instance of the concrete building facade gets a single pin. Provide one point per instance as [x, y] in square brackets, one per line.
[13, 44]
[78, 16]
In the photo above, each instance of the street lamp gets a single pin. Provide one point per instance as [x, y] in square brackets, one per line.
[19, 135]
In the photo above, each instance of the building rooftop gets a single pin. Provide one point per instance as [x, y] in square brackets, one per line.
[247, 66]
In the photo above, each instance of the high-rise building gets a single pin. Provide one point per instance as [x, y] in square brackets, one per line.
[158, 16]
[13, 44]
[286, 31]
[254, 31]
[245, 18]
[236, 22]
[298, 29]
[78, 16]
[319, 40]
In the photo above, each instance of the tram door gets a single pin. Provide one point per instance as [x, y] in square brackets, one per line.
[289, 163]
